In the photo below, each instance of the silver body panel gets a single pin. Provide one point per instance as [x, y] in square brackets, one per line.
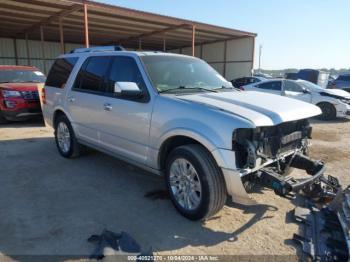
[135, 131]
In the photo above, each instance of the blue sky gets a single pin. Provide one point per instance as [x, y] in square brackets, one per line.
[293, 33]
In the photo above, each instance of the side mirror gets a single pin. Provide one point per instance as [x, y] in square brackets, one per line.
[127, 89]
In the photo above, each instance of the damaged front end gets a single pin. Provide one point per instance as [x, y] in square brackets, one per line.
[258, 147]
[265, 155]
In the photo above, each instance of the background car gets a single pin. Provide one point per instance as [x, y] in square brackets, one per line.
[317, 77]
[333, 102]
[19, 97]
[341, 82]
[239, 82]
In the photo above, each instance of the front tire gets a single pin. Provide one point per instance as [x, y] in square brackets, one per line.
[328, 111]
[3, 120]
[195, 182]
[66, 141]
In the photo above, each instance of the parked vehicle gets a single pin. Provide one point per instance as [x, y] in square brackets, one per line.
[314, 76]
[293, 76]
[267, 76]
[333, 102]
[19, 98]
[341, 82]
[242, 81]
[174, 115]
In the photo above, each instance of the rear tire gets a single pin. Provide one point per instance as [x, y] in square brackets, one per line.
[205, 190]
[66, 141]
[328, 111]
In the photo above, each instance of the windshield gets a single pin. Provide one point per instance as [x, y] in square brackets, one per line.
[178, 73]
[21, 76]
[309, 85]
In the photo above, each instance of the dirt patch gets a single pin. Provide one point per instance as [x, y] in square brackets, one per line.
[326, 135]
[329, 153]
[49, 200]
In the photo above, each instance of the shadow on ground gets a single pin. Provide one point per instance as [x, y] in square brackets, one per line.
[35, 122]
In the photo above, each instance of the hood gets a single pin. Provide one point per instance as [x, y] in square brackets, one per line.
[336, 93]
[259, 108]
[20, 86]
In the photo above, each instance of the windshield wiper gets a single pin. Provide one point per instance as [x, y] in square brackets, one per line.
[189, 88]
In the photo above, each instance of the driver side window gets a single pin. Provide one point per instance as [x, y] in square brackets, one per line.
[272, 85]
[293, 87]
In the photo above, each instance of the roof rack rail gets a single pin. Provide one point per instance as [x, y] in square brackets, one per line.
[98, 49]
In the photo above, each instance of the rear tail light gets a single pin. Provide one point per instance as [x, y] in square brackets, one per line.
[43, 96]
[241, 88]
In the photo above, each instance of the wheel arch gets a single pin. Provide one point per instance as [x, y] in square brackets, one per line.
[59, 112]
[176, 140]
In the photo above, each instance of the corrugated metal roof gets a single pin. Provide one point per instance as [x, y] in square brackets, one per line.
[107, 24]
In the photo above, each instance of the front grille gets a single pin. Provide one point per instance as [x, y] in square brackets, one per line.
[268, 142]
[284, 137]
[30, 95]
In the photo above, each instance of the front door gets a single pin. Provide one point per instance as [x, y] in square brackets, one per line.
[294, 90]
[125, 122]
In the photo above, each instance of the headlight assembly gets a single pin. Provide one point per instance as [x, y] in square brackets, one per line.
[11, 93]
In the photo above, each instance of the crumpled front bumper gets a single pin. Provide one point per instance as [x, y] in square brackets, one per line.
[235, 188]
[267, 176]
[343, 110]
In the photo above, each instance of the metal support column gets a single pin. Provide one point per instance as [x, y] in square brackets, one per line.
[15, 49]
[164, 43]
[42, 40]
[86, 26]
[193, 39]
[140, 44]
[27, 48]
[225, 59]
[61, 35]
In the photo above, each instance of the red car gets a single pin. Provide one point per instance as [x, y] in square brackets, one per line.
[19, 97]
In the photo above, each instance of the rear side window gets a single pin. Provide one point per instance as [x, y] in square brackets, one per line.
[274, 85]
[92, 73]
[124, 69]
[60, 72]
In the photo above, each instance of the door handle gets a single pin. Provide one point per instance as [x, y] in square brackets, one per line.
[70, 99]
[107, 107]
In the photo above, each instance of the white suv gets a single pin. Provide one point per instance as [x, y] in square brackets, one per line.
[176, 116]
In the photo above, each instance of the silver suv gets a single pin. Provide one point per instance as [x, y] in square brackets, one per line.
[173, 115]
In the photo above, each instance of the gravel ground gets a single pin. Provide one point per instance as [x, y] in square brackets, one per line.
[50, 205]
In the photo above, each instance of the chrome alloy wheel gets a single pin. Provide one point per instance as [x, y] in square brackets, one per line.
[185, 184]
[63, 137]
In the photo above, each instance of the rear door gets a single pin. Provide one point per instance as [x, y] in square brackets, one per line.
[85, 100]
[55, 85]
[294, 90]
[125, 122]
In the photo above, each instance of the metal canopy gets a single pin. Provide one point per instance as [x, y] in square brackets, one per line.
[88, 22]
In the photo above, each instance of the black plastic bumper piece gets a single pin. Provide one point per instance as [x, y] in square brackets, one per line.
[320, 234]
[283, 185]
